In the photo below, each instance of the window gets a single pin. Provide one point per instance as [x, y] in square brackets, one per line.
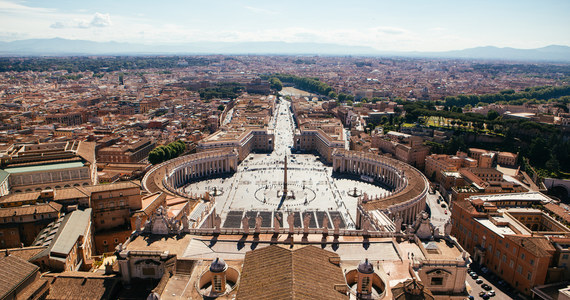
[522, 256]
[519, 269]
[565, 256]
[366, 283]
[116, 240]
[511, 263]
[104, 242]
[532, 262]
[528, 276]
[217, 283]
[514, 250]
[491, 248]
[507, 245]
[504, 258]
[498, 254]
[437, 281]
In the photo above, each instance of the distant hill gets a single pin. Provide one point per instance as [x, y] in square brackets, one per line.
[548, 53]
[58, 46]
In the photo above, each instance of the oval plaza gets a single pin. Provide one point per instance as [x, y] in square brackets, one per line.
[289, 192]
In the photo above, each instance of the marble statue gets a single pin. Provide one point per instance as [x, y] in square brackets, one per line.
[336, 223]
[258, 221]
[245, 224]
[291, 222]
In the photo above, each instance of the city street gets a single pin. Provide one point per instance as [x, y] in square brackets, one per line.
[438, 213]
[500, 293]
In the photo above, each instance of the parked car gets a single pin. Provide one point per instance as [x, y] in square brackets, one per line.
[443, 205]
[474, 276]
[486, 287]
[479, 281]
[491, 293]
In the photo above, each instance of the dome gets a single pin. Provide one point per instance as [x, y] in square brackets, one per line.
[218, 265]
[365, 267]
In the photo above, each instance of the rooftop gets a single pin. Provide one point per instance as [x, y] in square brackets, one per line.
[46, 167]
[500, 230]
[13, 272]
[75, 226]
[275, 272]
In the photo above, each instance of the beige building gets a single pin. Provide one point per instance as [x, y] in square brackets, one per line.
[444, 169]
[36, 167]
[407, 148]
[244, 140]
[69, 243]
[320, 141]
[130, 153]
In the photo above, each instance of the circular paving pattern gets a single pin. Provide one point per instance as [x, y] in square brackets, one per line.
[296, 195]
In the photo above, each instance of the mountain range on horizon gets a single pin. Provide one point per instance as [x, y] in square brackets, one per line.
[66, 47]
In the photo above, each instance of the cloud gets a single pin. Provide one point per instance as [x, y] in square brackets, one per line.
[98, 20]
[390, 30]
[259, 10]
[101, 20]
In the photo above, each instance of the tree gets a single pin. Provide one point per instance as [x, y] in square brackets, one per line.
[553, 165]
[275, 84]
[221, 107]
[492, 115]
[156, 156]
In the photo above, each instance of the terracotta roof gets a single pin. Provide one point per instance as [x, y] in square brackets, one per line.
[275, 272]
[538, 246]
[411, 290]
[25, 253]
[558, 210]
[82, 285]
[59, 194]
[42, 208]
[13, 272]
[87, 151]
[111, 187]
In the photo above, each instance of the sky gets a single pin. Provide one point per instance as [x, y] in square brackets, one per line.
[422, 25]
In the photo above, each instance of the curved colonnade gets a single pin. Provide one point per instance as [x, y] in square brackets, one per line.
[409, 185]
[407, 197]
[175, 173]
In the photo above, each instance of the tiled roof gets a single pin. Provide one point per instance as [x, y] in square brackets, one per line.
[559, 211]
[30, 210]
[111, 187]
[82, 285]
[538, 246]
[25, 253]
[13, 271]
[401, 291]
[274, 272]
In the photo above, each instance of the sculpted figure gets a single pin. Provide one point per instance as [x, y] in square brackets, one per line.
[245, 224]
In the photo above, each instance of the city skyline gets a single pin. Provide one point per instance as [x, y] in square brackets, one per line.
[384, 26]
